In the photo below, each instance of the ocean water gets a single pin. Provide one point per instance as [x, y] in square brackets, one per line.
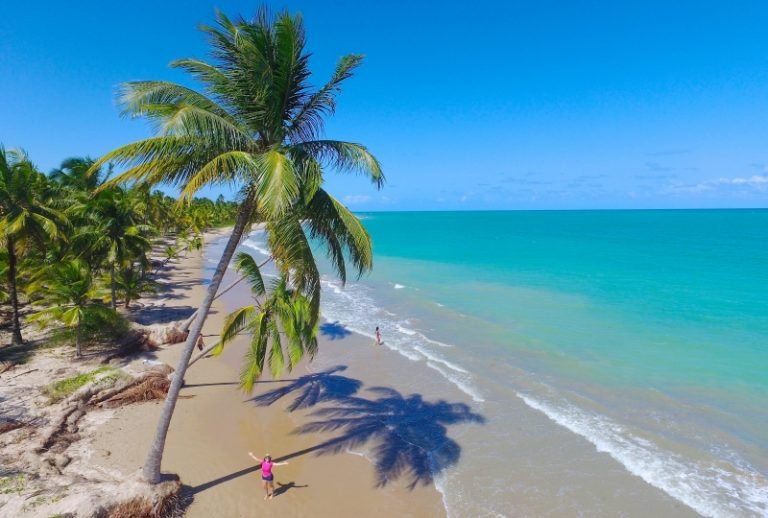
[641, 337]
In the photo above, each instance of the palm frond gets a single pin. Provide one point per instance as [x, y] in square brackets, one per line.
[276, 360]
[341, 231]
[277, 182]
[253, 362]
[236, 322]
[307, 124]
[344, 156]
[246, 265]
[224, 168]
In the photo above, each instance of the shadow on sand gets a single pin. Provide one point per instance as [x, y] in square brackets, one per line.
[312, 389]
[334, 331]
[406, 435]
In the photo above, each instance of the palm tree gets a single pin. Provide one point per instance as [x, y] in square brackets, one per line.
[114, 233]
[70, 290]
[131, 284]
[4, 295]
[75, 174]
[256, 127]
[285, 312]
[25, 218]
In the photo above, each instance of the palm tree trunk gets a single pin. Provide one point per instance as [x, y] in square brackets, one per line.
[188, 322]
[16, 338]
[78, 351]
[112, 283]
[155, 457]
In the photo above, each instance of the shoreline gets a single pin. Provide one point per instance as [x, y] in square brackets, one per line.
[215, 425]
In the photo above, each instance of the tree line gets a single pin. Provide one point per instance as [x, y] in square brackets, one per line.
[75, 247]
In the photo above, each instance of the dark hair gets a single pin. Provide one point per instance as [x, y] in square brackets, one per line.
[268, 458]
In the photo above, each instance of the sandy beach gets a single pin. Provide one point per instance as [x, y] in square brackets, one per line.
[215, 425]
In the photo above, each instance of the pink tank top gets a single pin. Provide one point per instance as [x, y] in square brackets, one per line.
[266, 468]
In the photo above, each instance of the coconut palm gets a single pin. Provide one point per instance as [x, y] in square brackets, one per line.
[70, 290]
[285, 312]
[25, 219]
[4, 295]
[131, 284]
[256, 127]
[113, 232]
[75, 174]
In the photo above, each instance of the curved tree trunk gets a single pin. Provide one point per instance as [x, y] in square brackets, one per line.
[16, 324]
[188, 322]
[155, 457]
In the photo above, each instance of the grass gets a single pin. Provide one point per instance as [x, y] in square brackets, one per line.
[61, 389]
[13, 484]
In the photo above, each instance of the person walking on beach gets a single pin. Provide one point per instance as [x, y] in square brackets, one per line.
[267, 477]
[378, 336]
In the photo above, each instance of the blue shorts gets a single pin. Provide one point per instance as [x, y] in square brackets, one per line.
[269, 478]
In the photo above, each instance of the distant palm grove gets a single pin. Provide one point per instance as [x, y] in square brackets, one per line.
[74, 248]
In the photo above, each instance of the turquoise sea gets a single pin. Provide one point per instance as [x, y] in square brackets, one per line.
[644, 333]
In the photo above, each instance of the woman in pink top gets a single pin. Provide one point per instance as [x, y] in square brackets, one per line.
[267, 477]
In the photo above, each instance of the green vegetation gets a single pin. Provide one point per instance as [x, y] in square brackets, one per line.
[68, 240]
[76, 243]
[64, 388]
[13, 483]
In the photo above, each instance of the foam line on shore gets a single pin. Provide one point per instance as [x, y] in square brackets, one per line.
[700, 486]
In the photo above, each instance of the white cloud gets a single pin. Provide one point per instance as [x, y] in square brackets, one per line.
[734, 185]
[754, 181]
[355, 199]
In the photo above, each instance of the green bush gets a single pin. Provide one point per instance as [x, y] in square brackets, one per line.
[97, 328]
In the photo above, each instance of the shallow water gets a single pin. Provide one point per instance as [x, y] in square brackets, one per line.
[619, 357]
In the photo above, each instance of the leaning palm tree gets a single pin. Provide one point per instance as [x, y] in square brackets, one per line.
[69, 288]
[25, 219]
[282, 326]
[255, 127]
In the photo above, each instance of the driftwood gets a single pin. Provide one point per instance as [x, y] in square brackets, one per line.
[10, 424]
[151, 385]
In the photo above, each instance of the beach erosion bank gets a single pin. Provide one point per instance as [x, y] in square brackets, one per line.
[215, 425]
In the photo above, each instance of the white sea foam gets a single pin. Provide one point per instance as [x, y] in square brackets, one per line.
[459, 381]
[435, 358]
[356, 309]
[707, 488]
[405, 330]
[258, 246]
[399, 286]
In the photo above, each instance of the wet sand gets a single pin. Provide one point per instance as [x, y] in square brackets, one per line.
[215, 425]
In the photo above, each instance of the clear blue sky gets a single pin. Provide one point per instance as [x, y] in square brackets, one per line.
[480, 105]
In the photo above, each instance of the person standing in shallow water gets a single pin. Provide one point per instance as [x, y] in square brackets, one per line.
[267, 477]
[378, 336]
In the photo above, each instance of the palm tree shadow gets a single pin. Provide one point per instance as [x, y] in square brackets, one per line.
[407, 435]
[312, 389]
[334, 330]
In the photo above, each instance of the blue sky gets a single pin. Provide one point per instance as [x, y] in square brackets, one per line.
[487, 105]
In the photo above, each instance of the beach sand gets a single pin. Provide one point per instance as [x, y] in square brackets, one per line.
[215, 425]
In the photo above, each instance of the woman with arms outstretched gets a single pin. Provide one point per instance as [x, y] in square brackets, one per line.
[267, 477]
